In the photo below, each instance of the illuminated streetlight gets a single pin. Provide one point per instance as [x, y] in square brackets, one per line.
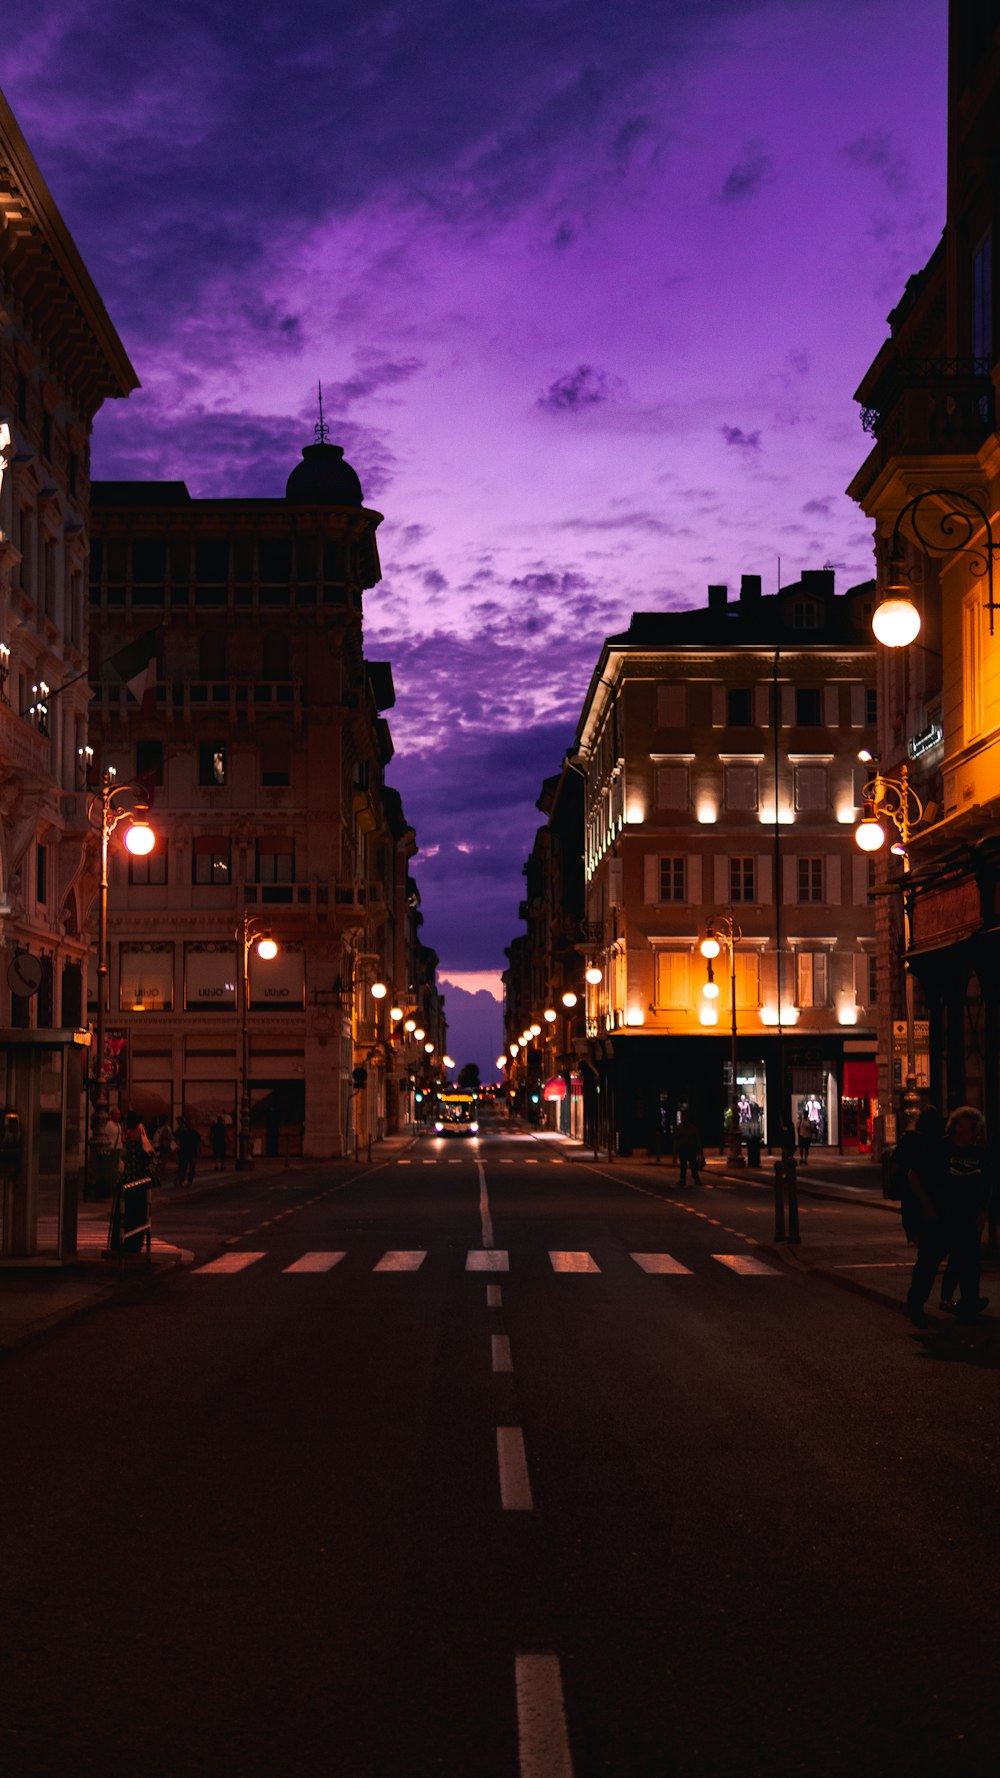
[593, 975]
[428, 1049]
[501, 1061]
[253, 937]
[418, 1034]
[550, 1015]
[569, 999]
[395, 1014]
[410, 1027]
[140, 839]
[449, 1061]
[379, 990]
[536, 1030]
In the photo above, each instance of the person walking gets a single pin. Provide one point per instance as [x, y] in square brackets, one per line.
[965, 1211]
[687, 1146]
[219, 1143]
[806, 1133]
[188, 1143]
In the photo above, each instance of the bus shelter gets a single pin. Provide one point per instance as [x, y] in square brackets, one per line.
[42, 1142]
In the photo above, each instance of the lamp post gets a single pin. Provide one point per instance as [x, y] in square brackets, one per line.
[961, 528]
[895, 800]
[249, 932]
[104, 812]
[723, 930]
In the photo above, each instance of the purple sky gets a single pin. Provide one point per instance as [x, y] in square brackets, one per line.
[589, 289]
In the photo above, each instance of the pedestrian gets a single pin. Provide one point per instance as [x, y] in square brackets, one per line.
[113, 1137]
[138, 1149]
[219, 1143]
[687, 1147]
[188, 1143]
[806, 1133]
[163, 1141]
[966, 1207]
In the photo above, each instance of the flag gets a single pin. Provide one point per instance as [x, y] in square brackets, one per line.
[135, 665]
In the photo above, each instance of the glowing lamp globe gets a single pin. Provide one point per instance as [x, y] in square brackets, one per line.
[711, 990]
[267, 948]
[395, 1014]
[870, 834]
[593, 975]
[536, 1030]
[140, 839]
[569, 998]
[550, 1015]
[410, 1026]
[449, 1061]
[896, 622]
[379, 990]
[418, 1034]
[501, 1061]
[428, 1049]
[710, 946]
[514, 1049]
[708, 1016]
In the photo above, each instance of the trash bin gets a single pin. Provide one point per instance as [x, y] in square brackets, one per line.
[753, 1151]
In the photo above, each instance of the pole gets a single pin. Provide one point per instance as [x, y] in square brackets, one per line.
[244, 1158]
[735, 1153]
[99, 1106]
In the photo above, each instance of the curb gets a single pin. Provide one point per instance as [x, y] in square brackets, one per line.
[118, 1289]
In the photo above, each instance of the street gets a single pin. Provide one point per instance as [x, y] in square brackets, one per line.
[487, 1460]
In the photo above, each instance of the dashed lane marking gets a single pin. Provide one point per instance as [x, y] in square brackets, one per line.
[494, 1296]
[487, 1259]
[316, 1262]
[229, 1262]
[515, 1484]
[746, 1266]
[573, 1262]
[662, 1263]
[542, 1738]
[500, 1351]
[402, 1260]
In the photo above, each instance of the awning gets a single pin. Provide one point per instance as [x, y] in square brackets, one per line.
[555, 1088]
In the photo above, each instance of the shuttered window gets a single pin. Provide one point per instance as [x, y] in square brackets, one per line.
[673, 979]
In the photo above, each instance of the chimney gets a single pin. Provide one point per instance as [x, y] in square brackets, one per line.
[717, 597]
[749, 591]
[818, 581]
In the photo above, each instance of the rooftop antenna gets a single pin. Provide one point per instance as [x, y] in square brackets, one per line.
[321, 428]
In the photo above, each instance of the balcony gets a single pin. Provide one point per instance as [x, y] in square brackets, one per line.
[242, 700]
[917, 407]
[25, 747]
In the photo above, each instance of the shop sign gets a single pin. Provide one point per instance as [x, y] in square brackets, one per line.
[923, 742]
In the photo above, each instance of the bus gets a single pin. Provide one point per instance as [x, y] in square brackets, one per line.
[456, 1114]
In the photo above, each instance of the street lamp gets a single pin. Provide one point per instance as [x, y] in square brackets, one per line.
[251, 933]
[104, 812]
[895, 800]
[723, 930]
[896, 622]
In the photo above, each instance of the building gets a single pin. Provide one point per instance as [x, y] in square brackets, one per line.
[60, 359]
[931, 484]
[263, 736]
[719, 752]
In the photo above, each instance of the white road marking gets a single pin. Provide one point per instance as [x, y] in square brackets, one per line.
[747, 1266]
[515, 1487]
[316, 1262]
[402, 1260]
[429, 1163]
[487, 1259]
[485, 1219]
[531, 1161]
[404, 1163]
[542, 1737]
[230, 1262]
[494, 1296]
[500, 1347]
[661, 1262]
[573, 1262]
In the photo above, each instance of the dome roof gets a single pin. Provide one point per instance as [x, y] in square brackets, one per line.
[323, 478]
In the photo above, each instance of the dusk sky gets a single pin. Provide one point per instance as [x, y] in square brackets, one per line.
[589, 290]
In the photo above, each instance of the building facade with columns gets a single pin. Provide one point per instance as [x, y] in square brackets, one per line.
[264, 739]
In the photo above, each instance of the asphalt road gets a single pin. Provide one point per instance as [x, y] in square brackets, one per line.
[536, 1479]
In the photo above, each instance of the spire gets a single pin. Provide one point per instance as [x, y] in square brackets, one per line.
[321, 428]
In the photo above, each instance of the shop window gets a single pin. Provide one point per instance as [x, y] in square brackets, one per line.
[211, 861]
[211, 764]
[146, 978]
[742, 879]
[209, 977]
[810, 880]
[812, 978]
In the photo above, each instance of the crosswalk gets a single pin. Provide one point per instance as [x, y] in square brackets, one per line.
[490, 1261]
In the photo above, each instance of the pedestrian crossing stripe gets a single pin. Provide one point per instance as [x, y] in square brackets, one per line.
[489, 1260]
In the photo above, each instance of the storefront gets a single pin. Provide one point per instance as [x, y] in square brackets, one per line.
[562, 1112]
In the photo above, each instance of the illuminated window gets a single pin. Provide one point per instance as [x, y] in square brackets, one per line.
[146, 978]
[211, 763]
[743, 879]
[211, 860]
[811, 978]
[810, 879]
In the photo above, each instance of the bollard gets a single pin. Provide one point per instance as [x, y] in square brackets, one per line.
[779, 1201]
[793, 1203]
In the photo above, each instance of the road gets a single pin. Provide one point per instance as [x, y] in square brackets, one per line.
[489, 1463]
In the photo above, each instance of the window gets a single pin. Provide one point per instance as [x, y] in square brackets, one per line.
[739, 710]
[275, 861]
[742, 879]
[211, 763]
[146, 872]
[741, 787]
[871, 706]
[672, 880]
[872, 981]
[747, 967]
[149, 762]
[806, 614]
[275, 758]
[211, 860]
[210, 977]
[810, 787]
[146, 978]
[811, 971]
[810, 879]
[808, 707]
[672, 979]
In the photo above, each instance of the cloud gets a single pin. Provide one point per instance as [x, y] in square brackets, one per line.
[823, 506]
[581, 388]
[749, 175]
[877, 152]
[744, 441]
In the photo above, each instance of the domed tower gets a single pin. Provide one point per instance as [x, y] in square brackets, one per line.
[323, 480]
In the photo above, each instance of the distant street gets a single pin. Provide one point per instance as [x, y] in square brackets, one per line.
[486, 1462]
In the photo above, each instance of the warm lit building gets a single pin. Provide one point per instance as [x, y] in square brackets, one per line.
[929, 400]
[719, 749]
[266, 744]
